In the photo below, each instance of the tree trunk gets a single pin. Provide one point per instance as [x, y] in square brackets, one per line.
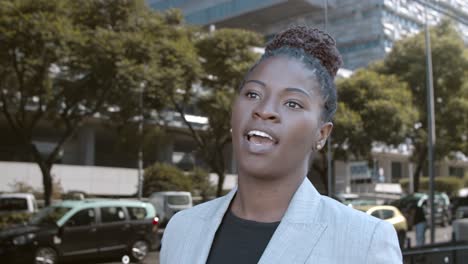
[417, 172]
[47, 182]
[219, 188]
[45, 170]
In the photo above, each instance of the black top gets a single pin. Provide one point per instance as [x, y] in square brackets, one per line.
[240, 241]
[419, 215]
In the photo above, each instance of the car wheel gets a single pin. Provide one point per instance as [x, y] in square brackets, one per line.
[139, 250]
[45, 255]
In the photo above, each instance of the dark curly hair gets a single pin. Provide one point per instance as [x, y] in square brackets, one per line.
[317, 50]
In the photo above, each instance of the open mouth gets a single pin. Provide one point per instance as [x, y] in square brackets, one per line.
[260, 138]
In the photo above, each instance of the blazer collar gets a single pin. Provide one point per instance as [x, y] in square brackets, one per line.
[296, 235]
[299, 230]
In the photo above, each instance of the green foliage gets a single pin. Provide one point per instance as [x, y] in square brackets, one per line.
[447, 184]
[64, 62]
[225, 55]
[164, 177]
[450, 74]
[201, 183]
[24, 187]
[465, 181]
[373, 108]
[7, 220]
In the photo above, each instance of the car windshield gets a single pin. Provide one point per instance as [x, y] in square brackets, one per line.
[13, 204]
[49, 215]
[178, 200]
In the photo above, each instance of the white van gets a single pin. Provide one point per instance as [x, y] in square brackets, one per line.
[17, 203]
[169, 203]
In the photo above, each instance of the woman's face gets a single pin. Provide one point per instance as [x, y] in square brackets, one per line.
[276, 119]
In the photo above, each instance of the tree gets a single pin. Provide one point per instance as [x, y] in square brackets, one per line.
[164, 177]
[373, 108]
[226, 56]
[63, 62]
[450, 74]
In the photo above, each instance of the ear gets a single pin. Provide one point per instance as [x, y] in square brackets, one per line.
[324, 132]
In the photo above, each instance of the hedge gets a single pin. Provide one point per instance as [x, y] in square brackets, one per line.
[447, 184]
[13, 219]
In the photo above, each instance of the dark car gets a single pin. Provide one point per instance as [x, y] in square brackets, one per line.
[408, 204]
[77, 230]
[459, 207]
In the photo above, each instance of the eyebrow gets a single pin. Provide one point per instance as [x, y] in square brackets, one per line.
[288, 89]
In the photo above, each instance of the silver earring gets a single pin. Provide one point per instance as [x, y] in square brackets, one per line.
[319, 146]
[230, 130]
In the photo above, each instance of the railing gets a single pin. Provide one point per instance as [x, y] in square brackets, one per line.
[452, 252]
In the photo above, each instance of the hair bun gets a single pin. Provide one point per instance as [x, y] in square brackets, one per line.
[314, 42]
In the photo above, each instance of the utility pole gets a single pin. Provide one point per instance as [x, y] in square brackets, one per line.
[140, 142]
[430, 122]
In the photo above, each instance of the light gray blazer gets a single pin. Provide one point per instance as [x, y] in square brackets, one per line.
[314, 229]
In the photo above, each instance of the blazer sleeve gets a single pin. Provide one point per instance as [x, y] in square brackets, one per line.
[384, 247]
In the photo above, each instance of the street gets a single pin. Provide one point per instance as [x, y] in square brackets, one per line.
[442, 234]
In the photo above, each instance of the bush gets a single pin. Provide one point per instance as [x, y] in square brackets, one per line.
[447, 184]
[465, 180]
[13, 219]
[201, 185]
[164, 177]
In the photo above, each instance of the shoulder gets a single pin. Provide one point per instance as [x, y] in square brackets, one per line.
[356, 231]
[186, 219]
[332, 209]
[184, 227]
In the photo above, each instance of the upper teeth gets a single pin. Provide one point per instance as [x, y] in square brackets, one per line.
[259, 134]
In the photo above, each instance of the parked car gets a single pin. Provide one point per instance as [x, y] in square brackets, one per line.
[459, 207]
[390, 214]
[169, 203]
[407, 205]
[85, 229]
[17, 203]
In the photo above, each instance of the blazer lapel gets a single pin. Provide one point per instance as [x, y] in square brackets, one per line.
[299, 230]
[209, 224]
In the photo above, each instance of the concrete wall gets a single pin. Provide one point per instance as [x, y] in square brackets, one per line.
[89, 179]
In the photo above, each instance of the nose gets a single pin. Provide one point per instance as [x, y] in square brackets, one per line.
[266, 111]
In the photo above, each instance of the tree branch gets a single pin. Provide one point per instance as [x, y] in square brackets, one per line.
[197, 137]
[20, 76]
[17, 131]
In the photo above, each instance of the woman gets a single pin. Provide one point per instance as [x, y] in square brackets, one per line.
[281, 116]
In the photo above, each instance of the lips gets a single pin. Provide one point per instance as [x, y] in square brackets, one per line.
[260, 141]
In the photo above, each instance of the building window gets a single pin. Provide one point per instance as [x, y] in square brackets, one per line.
[396, 171]
[457, 171]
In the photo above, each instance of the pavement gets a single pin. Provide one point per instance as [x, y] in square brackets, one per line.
[442, 234]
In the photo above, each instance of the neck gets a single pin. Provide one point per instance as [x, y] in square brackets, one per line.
[265, 200]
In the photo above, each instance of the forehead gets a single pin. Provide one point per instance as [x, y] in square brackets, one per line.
[282, 72]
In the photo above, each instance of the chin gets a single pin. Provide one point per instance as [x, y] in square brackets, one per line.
[260, 170]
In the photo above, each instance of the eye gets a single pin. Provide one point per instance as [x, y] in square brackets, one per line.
[292, 104]
[252, 95]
